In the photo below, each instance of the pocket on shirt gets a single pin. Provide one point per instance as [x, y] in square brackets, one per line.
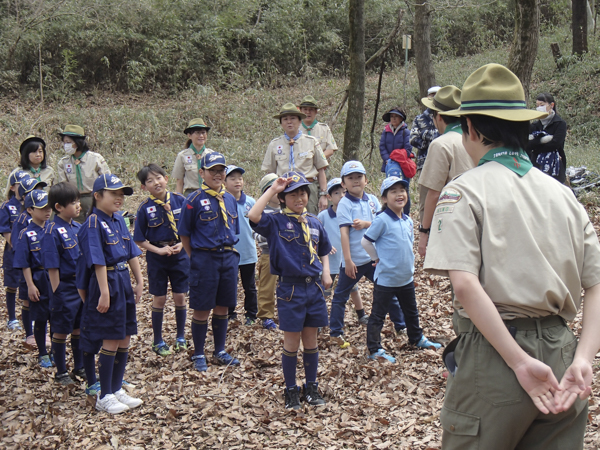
[289, 235]
[282, 157]
[207, 216]
[156, 222]
[111, 239]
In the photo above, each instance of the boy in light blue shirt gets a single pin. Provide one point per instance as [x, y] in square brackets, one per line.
[246, 247]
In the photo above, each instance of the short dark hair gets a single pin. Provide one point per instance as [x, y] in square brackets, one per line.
[145, 171]
[29, 148]
[446, 119]
[343, 177]
[80, 143]
[62, 193]
[281, 195]
[497, 131]
[91, 210]
[335, 188]
[546, 98]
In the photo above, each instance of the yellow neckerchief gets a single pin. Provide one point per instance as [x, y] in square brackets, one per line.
[305, 230]
[219, 197]
[167, 207]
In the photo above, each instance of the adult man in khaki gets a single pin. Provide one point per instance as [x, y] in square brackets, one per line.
[312, 127]
[446, 157]
[300, 152]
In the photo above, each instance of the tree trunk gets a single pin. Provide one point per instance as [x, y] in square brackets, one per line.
[525, 43]
[425, 70]
[579, 27]
[356, 88]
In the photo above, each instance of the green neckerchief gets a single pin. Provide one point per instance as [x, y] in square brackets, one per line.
[36, 172]
[78, 170]
[515, 160]
[310, 127]
[454, 126]
[198, 153]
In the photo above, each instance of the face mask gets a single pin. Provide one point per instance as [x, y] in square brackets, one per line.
[69, 149]
[541, 109]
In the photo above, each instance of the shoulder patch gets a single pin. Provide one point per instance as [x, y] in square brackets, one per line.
[449, 195]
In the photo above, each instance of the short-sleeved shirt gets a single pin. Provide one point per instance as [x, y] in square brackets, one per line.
[201, 220]
[527, 238]
[324, 135]
[308, 156]
[289, 254]
[9, 212]
[246, 245]
[92, 165]
[329, 220]
[60, 247]
[28, 249]
[394, 238]
[186, 168]
[19, 224]
[349, 209]
[152, 223]
[46, 175]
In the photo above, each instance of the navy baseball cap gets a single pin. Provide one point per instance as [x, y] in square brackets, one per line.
[333, 183]
[17, 176]
[26, 185]
[352, 167]
[298, 180]
[390, 181]
[211, 160]
[111, 182]
[36, 199]
[232, 168]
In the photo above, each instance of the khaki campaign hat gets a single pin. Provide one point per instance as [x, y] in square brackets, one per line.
[196, 124]
[309, 101]
[445, 99]
[266, 182]
[31, 138]
[494, 91]
[289, 109]
[73, 131]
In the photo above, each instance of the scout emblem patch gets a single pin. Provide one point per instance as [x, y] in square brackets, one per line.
[213, 157]
[114, 180]
[289, 226]
[41, 196]
[279, 149]
[69, 168]
[372, 205]
[188, 159]
[449, 195]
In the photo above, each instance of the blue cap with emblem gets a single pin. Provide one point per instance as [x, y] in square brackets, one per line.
[233, 168]
[352, 167]
[36, 199]
[111, 182]
[298, 180]
[211, 160]
[26, 185]
[390, 181]
[17, 176]
[334, 182]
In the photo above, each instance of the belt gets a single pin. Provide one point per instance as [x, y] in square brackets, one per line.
[466, 326]
[118, 266]
[312, 180]
[38, 268]
[293, 280]
[161, 244]
[222, 248]
[67, 277]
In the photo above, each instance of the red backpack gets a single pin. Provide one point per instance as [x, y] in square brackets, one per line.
[408, 166]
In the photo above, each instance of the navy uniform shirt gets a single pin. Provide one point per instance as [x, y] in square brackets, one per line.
[202, 222]
[28, 249]
[288, 251]
[152, 223]
[19, 224]
[9, 211]
[60, 247]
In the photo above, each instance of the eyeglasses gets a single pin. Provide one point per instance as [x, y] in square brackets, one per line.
[214, 172]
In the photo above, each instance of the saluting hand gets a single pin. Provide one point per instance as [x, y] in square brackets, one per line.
[103, 303]
[537, 379]
[280, 184]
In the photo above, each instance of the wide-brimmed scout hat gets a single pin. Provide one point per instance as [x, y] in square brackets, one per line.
[266, 182]
[36, 199]
[298, 180]
[494, 91]
[445, 99]
[73, 131]
[309, 101]
[196, 124]
[111, 182]
[433, 89]
[31, 138]
[289, 109]
[395, 110]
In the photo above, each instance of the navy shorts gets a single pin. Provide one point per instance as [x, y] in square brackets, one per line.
[40, 311]
[120, 320]
[23, 292]
[12, 276]
[301, 305]
[162, 269]
[213, 279]
[65, 307]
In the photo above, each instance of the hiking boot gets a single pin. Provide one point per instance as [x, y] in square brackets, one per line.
[64, 379]
[200, 363]
[130, 402]
[381, 355]
[364, 320]
[110, 404]
[311, 394]
[426, 343]
[180, 345]
[225, 359]
[269, 324]
[291, 397]
[161, 349]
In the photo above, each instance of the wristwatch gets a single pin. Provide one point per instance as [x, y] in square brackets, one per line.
[424, 230]
[322, 193]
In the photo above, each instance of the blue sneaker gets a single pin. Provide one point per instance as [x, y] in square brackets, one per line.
[45, 361]
[426, 343]
[94, 389]
[125, 383]
[382, 355]
[225, 359]
[161, 349]
[269, 324]
[200, 363]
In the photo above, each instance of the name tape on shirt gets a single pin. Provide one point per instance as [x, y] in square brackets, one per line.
[314, 231]
[177, 211]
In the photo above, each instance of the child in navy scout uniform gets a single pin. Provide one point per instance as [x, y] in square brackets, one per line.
[208, 228]
[299, 250]
[392, 233]
[355, 213]
[9, 211]
[109, 311]
[60, 254]
[156, 232]
[28, 256]
[246, 247]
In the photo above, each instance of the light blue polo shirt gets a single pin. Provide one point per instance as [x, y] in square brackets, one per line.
[246, 246]
[329, 220]
[350, 208]
[393, 238]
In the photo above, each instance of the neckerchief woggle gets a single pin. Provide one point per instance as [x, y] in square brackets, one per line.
[292, 141]
[198, 156]
[219, 197]
[167, 207]
[301, 218]
[515, 160]
[36, 172]
[310, 127]
[78, 173]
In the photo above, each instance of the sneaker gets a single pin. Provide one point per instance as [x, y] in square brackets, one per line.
[110, 404]
[180, 345]
[381, 355]
[426, 343]
[79, 373]
[125, 383]
[249, 321]
[30, 342]
[200, 363]
[225, 359]
[93, 390]
[311, 394]
[339, 340]
[269, 324]
[64, 379]
[13, 325]
[130, 402]
[292, 398]
[161, 349]
[364, 320]
[45, 361]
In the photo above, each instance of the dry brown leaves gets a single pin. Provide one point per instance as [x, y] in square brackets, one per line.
[370, 405]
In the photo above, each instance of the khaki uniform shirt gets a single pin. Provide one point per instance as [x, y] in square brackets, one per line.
[323, 133]
[446, 158]
[47, 175]
[527, 238]
[92, 165]
[186, 168]
[308, 156]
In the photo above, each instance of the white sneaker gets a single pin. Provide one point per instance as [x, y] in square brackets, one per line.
[130, 402]
[110, 404]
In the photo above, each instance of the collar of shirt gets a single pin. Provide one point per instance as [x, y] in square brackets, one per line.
[453, 126]
[242, 200]
[59, 222]
[331, 212]
[393, 215]
[103, 216]
[352, 198]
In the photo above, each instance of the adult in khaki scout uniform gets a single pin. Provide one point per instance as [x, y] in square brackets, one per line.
[34, 161]
[186, 170]
[81, 166]
[299, 152]
[312, 127]
[446, 158]
[518, 249]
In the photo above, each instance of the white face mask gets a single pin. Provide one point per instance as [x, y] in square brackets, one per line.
[69, 149]
[541, 108]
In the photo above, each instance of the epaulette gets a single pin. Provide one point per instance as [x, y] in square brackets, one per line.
[193, 195]
[92, 221]
[278, 137]
[3, 204]
[49, 227]
[177, 194]
[143, 203]
[24, 230]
